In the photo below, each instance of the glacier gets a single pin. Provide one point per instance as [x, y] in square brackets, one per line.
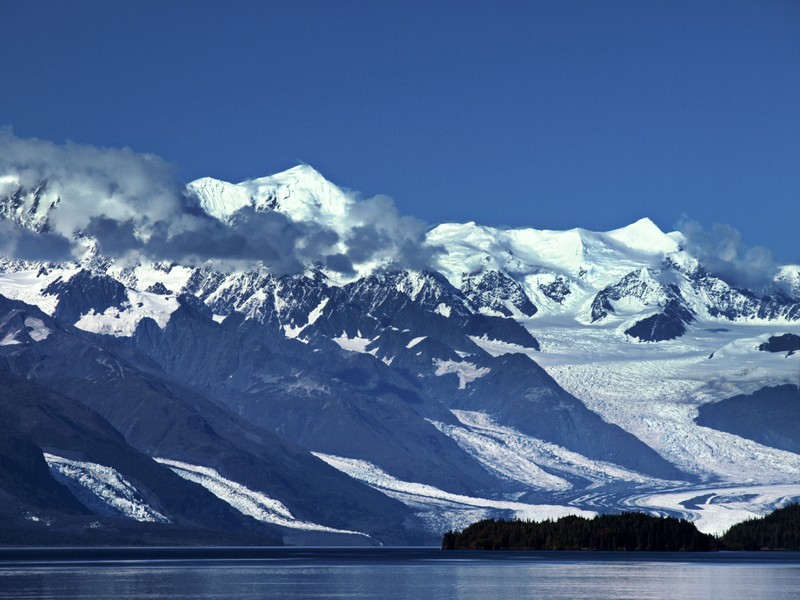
[441, 510]
[414, 358]
[98, 484]
[249, 502]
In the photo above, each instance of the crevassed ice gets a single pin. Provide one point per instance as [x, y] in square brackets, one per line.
[714, 509]
[108, 486]
[522, 458]
[249, 502]
[442, 510]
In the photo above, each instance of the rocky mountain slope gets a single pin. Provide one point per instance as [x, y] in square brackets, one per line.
[383, 393]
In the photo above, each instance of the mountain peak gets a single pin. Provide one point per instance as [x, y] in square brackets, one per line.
[644, 236]
[301, 193]
[298, 173]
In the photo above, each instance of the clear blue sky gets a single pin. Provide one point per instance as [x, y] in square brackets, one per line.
[550, 114]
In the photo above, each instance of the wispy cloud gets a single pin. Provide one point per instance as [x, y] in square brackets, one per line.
[721, 251]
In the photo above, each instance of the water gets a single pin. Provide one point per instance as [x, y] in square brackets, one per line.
[296, 573]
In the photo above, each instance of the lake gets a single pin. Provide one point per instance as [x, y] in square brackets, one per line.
[413, 573]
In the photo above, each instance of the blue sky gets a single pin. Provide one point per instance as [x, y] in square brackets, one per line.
[540, 113]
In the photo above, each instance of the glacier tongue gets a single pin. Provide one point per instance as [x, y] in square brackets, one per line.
[249, 502]
[103, 487]
[714, 509]
[521, 458]
[616, 379]
[442, 510]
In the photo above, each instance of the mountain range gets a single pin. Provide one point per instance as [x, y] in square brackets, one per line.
[292, 364]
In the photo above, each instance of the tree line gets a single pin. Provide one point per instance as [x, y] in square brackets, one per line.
[627, 531]
[779, 530]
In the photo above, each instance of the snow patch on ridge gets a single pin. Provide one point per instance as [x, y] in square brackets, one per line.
[9, 340]
[354, 344]
[37, 329]
[316, 312]
[443, 310]
[415, 341]
[466, 372]
[122, 323]
[499, 347]
[294, 332]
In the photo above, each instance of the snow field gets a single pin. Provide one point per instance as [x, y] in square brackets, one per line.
[656, 400]
[466, 372]
[122, 323]
[28, 285]
[354, 344]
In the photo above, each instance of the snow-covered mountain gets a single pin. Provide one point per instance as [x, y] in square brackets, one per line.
[301, 193]
[512, 371]
[26, 207]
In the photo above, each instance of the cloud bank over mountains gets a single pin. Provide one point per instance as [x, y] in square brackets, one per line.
[133, 206]
[108, 183]
[722, 252]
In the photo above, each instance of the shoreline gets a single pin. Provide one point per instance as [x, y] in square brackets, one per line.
[294, 555]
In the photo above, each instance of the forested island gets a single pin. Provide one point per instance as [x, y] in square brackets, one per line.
[780, 530]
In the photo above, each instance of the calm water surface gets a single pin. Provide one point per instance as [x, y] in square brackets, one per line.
[396, 573]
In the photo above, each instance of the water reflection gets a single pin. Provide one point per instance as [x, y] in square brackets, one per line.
[418, 579]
